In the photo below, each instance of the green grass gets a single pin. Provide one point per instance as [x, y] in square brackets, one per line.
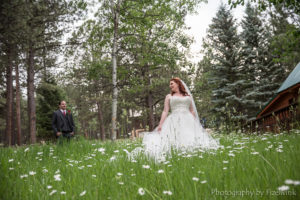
[233, 172]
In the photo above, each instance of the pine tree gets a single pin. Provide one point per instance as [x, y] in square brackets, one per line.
[223, 39]
[48, 97]
[260, 74]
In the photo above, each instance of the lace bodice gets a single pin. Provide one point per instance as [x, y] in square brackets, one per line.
[180, 104]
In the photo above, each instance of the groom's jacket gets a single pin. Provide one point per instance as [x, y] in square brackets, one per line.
[62, 123]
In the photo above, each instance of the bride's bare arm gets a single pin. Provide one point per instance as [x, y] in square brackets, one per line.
[165, 111]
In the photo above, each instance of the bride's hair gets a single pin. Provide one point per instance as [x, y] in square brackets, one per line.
[180, 86]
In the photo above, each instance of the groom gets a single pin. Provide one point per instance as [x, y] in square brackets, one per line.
[62, 122]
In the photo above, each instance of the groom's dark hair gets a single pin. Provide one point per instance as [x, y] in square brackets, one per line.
[60, 102]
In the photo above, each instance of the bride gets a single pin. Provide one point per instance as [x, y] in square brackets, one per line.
[179, 131]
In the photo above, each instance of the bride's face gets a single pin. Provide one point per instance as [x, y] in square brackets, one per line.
[173, 86]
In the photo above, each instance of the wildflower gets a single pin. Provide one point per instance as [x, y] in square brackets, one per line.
[224, 168]
[119, 174]
[45, 170]
[32, 173]
[296, 182]
[133, 174]
[49, 186]
[225, 161]
[116, 151]
[195, 179]
[57, 177]
[112, 158]
[160, 171]
[141, 191]
[283, 188]
[291, 182]
[11, 168]
[82, 193]
[27, 149]
[63, 192]
[24, 176]
[203, 181]
[288, 181]
[121, 183]
[254, 153]
[146, 166]
[102, 150]
[57, 171]
[10, 160]
[94, 176]
[89, 166]
[52, 192]
[231, 154]
[167, 192]
[39, 153]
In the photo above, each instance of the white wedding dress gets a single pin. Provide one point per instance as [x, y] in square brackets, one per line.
[181, 131]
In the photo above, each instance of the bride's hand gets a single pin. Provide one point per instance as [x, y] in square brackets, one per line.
[159, 128]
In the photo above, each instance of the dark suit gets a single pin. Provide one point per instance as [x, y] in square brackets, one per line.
[63, 123]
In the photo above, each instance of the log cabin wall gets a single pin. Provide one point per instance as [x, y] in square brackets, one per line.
[281, 113]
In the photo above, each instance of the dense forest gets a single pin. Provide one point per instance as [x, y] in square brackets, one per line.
[114, 69]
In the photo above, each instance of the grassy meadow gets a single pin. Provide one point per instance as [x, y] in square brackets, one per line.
[248, 167]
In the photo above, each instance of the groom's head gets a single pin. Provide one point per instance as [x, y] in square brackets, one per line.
[62, 105]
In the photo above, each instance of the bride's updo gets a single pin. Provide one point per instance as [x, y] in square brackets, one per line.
[180, 86]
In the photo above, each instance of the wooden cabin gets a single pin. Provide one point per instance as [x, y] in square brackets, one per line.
[282, 111]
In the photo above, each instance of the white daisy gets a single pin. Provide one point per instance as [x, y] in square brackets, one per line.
[32, 173]
[283, 188]
[141, 191]
[112, 158]
[82, 193]
[195, 179]
[24, 176]
[289, 181]
[167, 192]
[52, 192]
[146, 166]
[57, 177]
[160, 171]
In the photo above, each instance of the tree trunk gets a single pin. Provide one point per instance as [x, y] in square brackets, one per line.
[18, 106]
[100, 117]
[115, 9]
[150, 110]
[9, 99]
[31, 99]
